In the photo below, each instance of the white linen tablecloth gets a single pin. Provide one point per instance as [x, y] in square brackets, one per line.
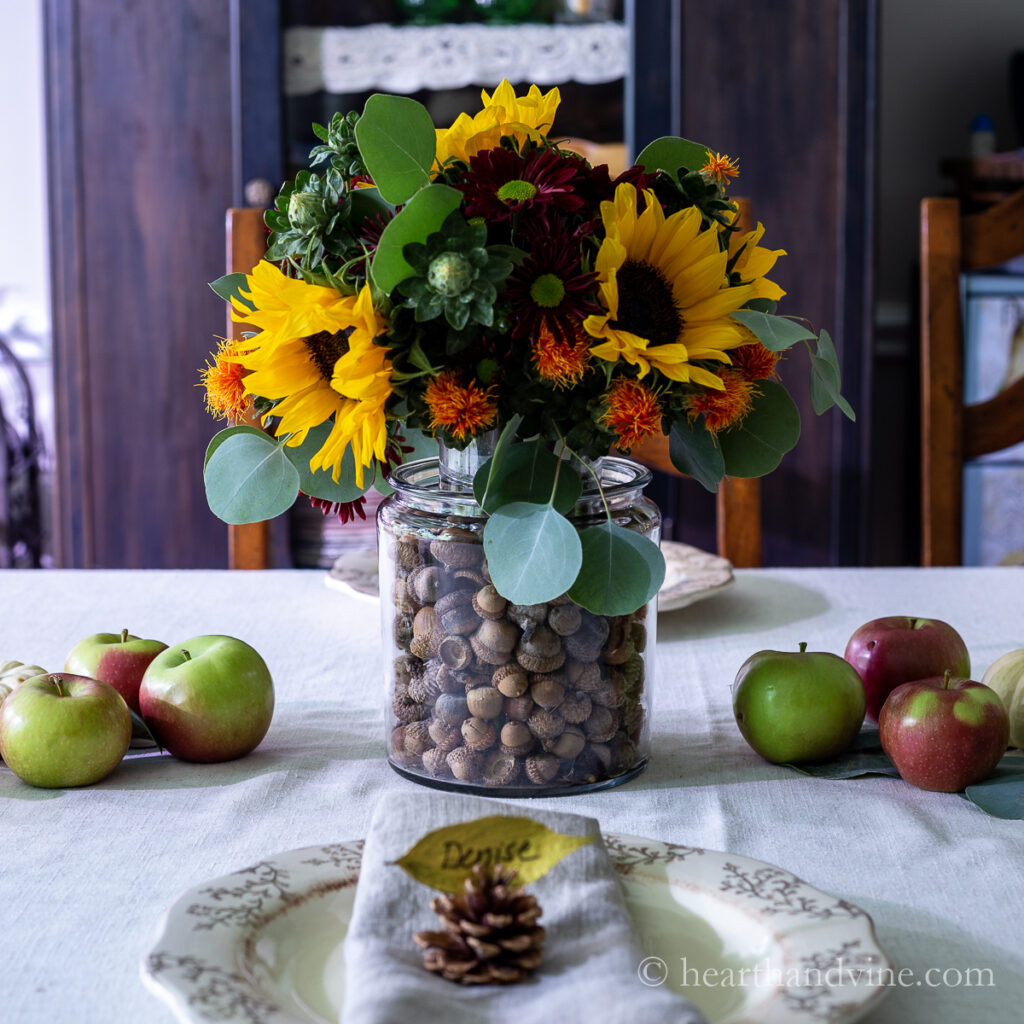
[85, 875]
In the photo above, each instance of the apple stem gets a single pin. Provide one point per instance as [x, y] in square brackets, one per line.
[186, 655]
[945, 679]
[56, 682]
[124, 636]
[803, 646]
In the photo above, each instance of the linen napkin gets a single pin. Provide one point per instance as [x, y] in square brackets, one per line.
[591, 952]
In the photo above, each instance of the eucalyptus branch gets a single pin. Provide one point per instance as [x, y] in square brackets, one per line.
[590, 469]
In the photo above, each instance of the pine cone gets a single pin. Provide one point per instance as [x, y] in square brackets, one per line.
[491, 935]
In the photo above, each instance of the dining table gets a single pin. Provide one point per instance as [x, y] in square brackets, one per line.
[88, 875]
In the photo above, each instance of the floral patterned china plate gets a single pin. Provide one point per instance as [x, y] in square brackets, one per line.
[690, 575]
[746, 941]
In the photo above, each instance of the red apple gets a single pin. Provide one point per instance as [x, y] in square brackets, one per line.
[62, 730]
[898, 649]
[208, 699]
[944, 733]
[119, 659]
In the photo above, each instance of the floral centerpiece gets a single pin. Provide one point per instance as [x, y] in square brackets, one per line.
[483, 280]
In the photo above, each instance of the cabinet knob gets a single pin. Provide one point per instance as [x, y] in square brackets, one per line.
[258, 192]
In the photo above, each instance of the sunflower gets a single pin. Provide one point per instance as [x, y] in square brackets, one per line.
[632, 411]
[500, 183]
[749, 262]
[550, 290]
[504, 114]
[315, 358]
[664, 289]
[224, 381]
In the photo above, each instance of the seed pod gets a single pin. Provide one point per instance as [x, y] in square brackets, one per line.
[526, 615]
[633, 676]
[633, 720]
[427, 633]
[484, 702]
[402, 631]
[594, 763]
[406, 709]
[465, 764]
[471, 577]
[565, 619]
[618, 648]
[546, 725]
[455, 652]
[586, 643]
[424, 687]
[488, 603]
[607, 695]
[576, 707]
[540, 650]
[638, 634]
[542, 768]
[435, 761]
[402, 599]
[511, 680]
[399, 752]
[547, 692]
[460, 549]
[501, 769]
[568, 745]
[584, 677]
[516, 738]
[417, 737]
[447, 737]
[519, 709]
[479, 734]
[407, 554]
[601, 726]
[403, 670]
[493, 642]
[451, 708]
[455, 610]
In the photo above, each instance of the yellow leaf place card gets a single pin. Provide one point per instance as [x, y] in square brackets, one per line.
[443, 859]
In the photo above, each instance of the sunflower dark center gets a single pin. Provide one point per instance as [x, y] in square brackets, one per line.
[325, 349]
[647, 306]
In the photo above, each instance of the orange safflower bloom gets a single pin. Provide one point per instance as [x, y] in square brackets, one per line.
[723, 408]
[461, 409]
[632, 412]
[561, 363]
[721, 168]
[224, 382]
[754, 361]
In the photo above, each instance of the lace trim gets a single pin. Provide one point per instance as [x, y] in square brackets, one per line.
[407, 58]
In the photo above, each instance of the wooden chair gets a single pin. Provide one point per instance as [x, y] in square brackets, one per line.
[738, 501]
[952, 432]
[249, 544]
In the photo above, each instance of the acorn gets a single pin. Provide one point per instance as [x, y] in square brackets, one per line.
[568, 745]
[547, 691]
[455, 612]
[435, 761]
[425, 583]
[541, 768]
[451, 708]
[417, 737]
[447, 737]
[583, 676]
[427, 633]
[455, 652]
[484, 702]
[546, 725]
[500, 769]
[601, 726]
[511, 680]
[459, 549]
[493, 642]
[576, 707]
[479, 733]
[540, 650]
[565, 619]
[465, 764]
[516, 738]
[527, 615]
[519, 709]
[488, 603]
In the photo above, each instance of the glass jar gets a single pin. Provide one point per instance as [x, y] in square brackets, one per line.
[492, 698]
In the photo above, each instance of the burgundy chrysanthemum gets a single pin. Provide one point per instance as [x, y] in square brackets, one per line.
[550, 290]
[595, 184]
[346, 511]
[500, 182]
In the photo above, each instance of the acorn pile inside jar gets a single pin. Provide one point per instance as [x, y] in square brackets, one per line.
[489, 693]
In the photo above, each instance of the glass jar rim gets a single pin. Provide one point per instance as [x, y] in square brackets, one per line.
[421, 479]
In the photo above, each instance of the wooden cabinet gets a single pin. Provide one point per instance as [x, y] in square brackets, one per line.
[159, 113]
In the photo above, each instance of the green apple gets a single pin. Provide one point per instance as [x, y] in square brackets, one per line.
[119, 659]
[61, 730]
[1006, 676]
[798, 706]
[208, 699]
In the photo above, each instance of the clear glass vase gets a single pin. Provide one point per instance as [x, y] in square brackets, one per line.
[493, 698]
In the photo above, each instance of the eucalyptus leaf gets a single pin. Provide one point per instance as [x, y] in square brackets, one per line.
[527, 473]
[865, 757]
[320, 483]
[669, 153]
[221, 436]
[621, 570]
[533, 552]
[415, 222]
[694, 452]
[492, 467]
[397, 142]
[774, 332]
[249, 479]
[825, 384]
[367, 203]
[1002, 793]
[756, 446]
[230, 287]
